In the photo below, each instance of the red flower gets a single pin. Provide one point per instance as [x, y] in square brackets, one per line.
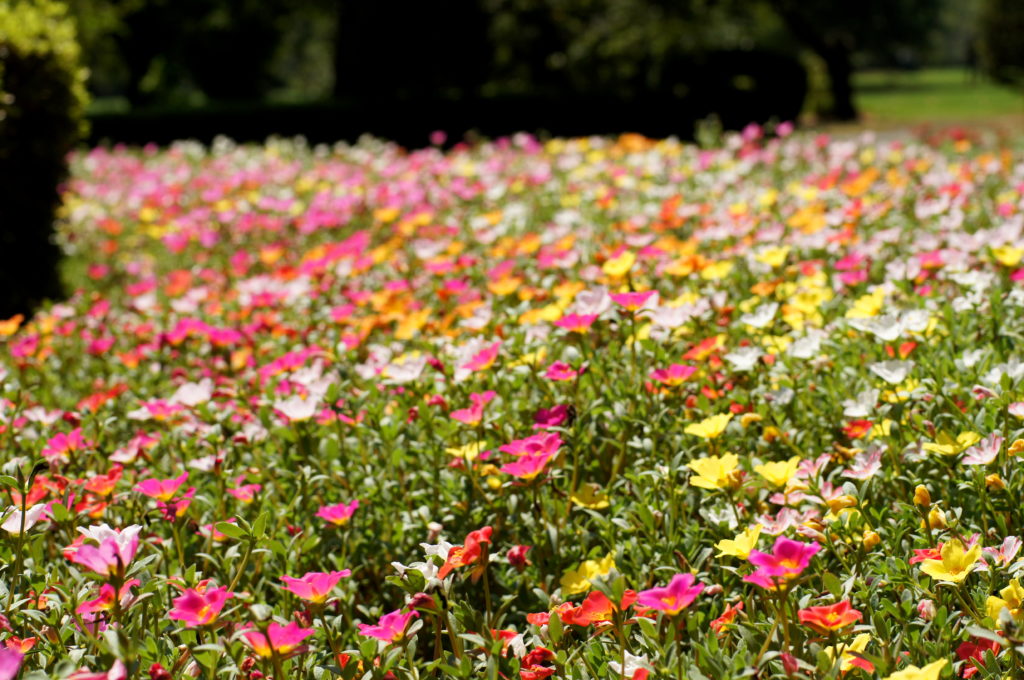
[975, 652]
[470, 552]
[829, 618]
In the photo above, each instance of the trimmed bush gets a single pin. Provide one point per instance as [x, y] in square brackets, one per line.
[42, 106]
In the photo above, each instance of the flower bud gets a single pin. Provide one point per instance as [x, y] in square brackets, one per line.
[517, 557]
[994, 482]
[433, 531]
[922, 497]
[936, 519]
[1016, 447]
[841, 502]
[871, 539]
[926, 609]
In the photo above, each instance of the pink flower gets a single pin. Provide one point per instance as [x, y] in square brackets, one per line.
[10, 663]
[390, 628]
[673, 598]
[544, 442]
[676, 374]
[114, 553]
[475, 413]
[865, 465]
[632, 301]
[339, 514]
[984, 452]
[550, 417]
[246, 493]
[577, 323]
[560, 371]
[284, 640]
[105, 601]
[117, 671]
[314, 586]
[198, 608]
[528, 466]
[60, 446]
[161, 489]
[788, 559]
[483, 359]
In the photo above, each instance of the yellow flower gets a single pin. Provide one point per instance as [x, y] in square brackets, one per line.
[580, 580]
[1008, 256]
[1012, 599]
[741, 545]
[845, 651]
[590, 496]
[714, 472]
[773, 257]
[716, 270]
[955, 564]
[948, 446]
[929, 672]
[779, 474]
[710, 427]
[469, 452]
[617, 267]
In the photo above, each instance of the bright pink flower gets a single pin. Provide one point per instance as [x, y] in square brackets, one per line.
[176, 507]
[483, 359]
[475, 413]
[673, 598]
[543, 442]
[246, 493]
[517, 556]
[284, 640]
[550, 417]
[632, 301]
[560, 371]
[10, 663]
[117, 671]
[577, 323]
[527, 467]
[61, 446]
[390, 628]
[161, 489]
[339, 514]
[105, 601]
[315, 586]
[195, 608]
[676, 374]
[788, 559]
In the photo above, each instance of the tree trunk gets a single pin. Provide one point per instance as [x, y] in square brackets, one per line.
[840, 72]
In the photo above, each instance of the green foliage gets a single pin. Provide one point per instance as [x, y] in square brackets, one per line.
[42, 102]
[1002, 50]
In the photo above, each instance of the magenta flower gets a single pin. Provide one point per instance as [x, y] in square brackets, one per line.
[284, 640]
[61, 446]
[560, 371]
[577, 323]
[106, 599]
[390, 628]
[550, 417]
[161, 489]
[631, 301]
[528, 466]
[788, 559]
[314, 586]
[676, 374]
[339, 514]
[117, 671]
[544, 442]
[10, 663]
[198, 608]
[673, 598]
[475, 413]
[483, 359]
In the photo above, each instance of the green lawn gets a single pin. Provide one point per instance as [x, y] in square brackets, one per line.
[949, 95]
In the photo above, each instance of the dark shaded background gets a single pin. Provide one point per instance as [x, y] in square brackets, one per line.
[333, 69]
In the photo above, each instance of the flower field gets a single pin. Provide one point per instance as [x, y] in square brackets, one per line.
[580, 409]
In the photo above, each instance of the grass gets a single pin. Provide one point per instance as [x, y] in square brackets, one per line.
[934, 94]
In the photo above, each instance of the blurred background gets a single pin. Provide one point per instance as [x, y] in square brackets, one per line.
[332, 69]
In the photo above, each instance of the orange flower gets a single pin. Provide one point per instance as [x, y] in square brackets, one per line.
[470, 552]
[830, 618]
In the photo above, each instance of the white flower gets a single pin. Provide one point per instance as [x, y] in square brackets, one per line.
[744, 358]
[591, 301]
[193, 394]
[762, 316]
[295, 408]
[12, 523]
[985, 451]
[892, 372]
[633, 664]
[860, 406]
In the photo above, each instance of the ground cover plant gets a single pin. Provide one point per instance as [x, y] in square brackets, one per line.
[590, 408]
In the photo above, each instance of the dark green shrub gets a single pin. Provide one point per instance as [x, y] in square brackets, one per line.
[42, 103]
